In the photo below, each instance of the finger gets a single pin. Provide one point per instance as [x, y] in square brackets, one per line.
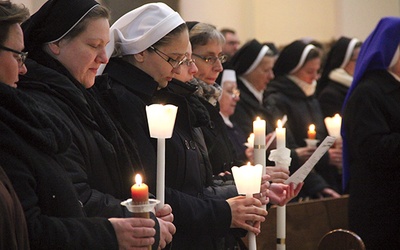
[141, 232]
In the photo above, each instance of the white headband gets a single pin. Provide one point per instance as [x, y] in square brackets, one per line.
[260, 56]
[303, 57]
[349, 52]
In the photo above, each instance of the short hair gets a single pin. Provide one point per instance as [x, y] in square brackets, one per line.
[10, 14]
[97, 12]
[202, 33]
[224, 31]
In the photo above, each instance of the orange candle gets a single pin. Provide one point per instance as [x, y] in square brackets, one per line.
[311, 132]
[139, 191]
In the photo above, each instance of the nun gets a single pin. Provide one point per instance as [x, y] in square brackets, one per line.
[253, 64]
[148, 48]
[292, 92]
[371, 139]
[38, 153]
[337, 75]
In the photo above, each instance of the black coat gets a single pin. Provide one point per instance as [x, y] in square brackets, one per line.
[97, 160]
[30, 146]
[198, 221]
[331, 98]
[371, 122]
[301, 112]
[220, 149]
[248, 108]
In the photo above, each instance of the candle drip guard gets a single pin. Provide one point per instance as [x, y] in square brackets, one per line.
[140, 208]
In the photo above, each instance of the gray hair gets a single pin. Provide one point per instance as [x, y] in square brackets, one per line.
[202, 33]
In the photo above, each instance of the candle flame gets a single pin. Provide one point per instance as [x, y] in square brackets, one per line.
[258, 118]
[311, 128]
[279, 123]
[138, 179]
[248, 163]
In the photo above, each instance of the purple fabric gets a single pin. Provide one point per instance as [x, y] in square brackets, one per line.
[376, 53]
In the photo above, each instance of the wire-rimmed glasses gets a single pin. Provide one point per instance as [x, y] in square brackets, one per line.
[21, 55]
[174, 63]
[212, 59]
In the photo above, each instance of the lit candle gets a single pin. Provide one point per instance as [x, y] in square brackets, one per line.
[280, 136]
[139, 191]
[259, 132]
[311, 132]
[248, 182]
[140, 196]
[333, 125]
[161, 121]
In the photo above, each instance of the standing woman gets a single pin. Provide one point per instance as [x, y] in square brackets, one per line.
[371, 139]
[30, 143]
[337, 75]
[66, 44]
[13, 230]
[150, 44]
[292, 91]
[207, 43]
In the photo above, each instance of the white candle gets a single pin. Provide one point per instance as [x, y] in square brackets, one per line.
[248, 182]
[280, 136]
[333, 125]
[161, 121]
[259, 127]
[281, 227]
[259, 132]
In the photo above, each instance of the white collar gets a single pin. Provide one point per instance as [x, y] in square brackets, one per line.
[341, 76]
[254, 91]
[308, 89]
[394, 75]
[226, 120]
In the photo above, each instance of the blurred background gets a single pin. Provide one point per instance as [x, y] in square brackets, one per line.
[279, 21]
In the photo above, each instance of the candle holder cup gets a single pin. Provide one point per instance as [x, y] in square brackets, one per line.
[140, 208]
[311, 143]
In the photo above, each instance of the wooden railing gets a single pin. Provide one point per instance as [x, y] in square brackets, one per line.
[306, 223]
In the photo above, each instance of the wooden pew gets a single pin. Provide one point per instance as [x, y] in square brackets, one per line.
[306, 223]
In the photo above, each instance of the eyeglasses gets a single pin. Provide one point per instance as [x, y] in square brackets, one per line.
[189, 62]
[174, 63]
[212, 59]
[233, 93]
[21, 55]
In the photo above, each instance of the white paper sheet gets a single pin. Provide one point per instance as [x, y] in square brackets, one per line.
[304, 170]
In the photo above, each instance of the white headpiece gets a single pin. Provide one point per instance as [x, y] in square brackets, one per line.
[140, 28]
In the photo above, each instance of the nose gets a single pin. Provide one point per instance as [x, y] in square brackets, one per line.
[193, 68]
[102, 56]
[22, 70]
[218, 66]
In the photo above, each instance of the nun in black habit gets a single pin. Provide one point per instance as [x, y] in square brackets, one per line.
[292, 91]
[33, 146]
[337, 75]
[63, 58]
[250, 58]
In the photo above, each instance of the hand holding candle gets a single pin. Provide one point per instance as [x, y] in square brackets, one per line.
[248, 182]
